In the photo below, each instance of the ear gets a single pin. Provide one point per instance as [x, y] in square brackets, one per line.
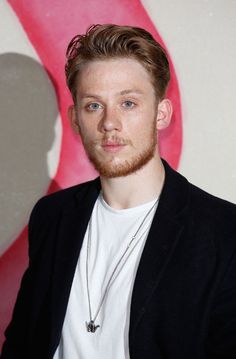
[164, 114]
[71, 114]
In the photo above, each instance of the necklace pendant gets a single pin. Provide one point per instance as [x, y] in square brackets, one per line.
[91, 327]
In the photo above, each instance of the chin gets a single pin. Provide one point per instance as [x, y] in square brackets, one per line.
[126, 168]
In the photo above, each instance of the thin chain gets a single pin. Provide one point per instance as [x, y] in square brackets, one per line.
[114, 270]
[88, 249]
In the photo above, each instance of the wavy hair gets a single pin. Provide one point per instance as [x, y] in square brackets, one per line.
[102, 42]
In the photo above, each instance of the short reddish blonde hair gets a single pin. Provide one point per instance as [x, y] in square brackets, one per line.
[102, 42]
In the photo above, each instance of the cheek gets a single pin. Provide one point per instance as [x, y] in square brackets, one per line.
[84, 133]
[144, 125]
[87, 127]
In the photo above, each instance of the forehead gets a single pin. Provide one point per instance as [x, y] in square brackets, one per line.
[118, 74]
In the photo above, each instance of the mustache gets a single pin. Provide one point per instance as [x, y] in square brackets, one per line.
[112, 140]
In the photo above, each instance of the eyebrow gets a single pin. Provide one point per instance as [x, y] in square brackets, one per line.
[87, 95]
[131, 91]
[123, 92]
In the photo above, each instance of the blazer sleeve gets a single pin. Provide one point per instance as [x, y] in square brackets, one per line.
[17, 333]
[221, 342]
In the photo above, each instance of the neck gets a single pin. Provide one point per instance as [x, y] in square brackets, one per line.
[135, 189]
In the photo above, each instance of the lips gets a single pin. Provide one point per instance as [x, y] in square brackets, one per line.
[113, 147]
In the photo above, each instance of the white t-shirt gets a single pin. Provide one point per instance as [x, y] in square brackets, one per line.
[111, 232]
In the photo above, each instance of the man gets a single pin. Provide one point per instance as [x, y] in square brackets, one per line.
[138, 263]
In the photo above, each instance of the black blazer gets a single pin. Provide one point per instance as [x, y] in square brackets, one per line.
[184, 297]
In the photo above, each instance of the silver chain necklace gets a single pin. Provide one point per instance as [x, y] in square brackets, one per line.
[91, 326]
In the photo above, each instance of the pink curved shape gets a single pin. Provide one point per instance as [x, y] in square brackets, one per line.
[50, 25]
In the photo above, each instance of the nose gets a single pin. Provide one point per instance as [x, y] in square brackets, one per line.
[110, 121]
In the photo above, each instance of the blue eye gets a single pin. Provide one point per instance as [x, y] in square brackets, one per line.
[94, 106]
[128, 104]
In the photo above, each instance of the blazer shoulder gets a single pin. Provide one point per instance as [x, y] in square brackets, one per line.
[60, 200]
[207, 201]
[179, 196]
[47, 212]
[51, 206]
[214, 218]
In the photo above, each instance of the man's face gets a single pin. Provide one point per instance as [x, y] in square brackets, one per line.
[116, 112]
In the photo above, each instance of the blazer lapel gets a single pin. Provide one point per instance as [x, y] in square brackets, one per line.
[163, 237]
[72, 228]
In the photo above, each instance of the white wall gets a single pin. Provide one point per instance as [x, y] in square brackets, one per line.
[200, 36]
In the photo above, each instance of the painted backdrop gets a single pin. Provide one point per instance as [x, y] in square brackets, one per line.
[38, 151]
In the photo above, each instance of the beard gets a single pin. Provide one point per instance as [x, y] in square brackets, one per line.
[110, 168]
